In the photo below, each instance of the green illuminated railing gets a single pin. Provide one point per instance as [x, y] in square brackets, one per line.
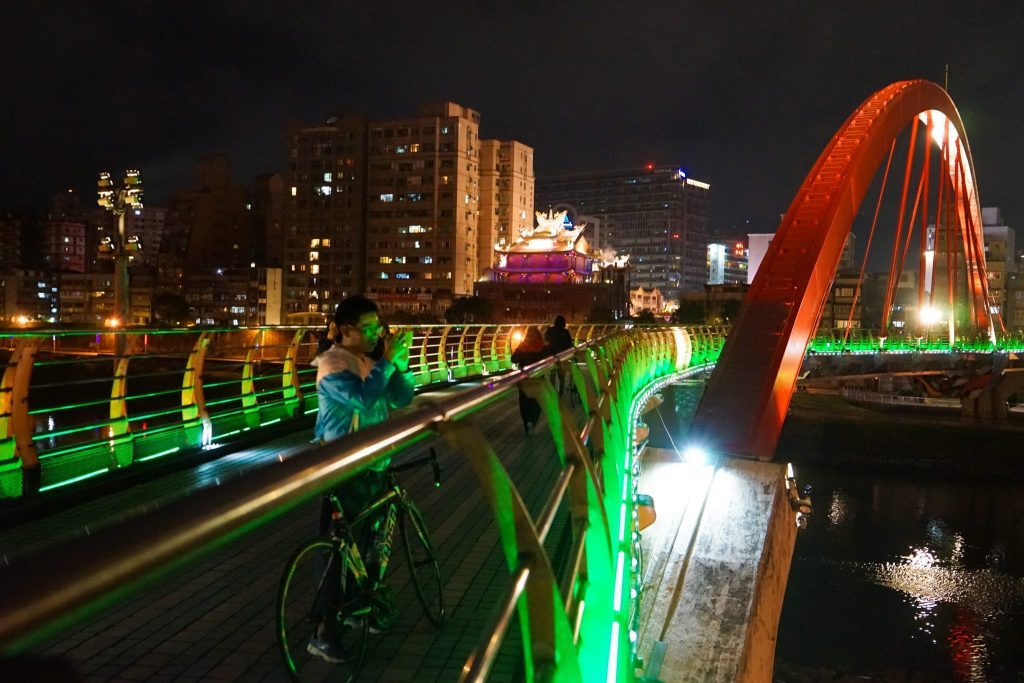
[872, 341]
[78, 404]
[576, 626]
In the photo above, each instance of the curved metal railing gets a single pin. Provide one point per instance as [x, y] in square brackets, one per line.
[577, 623]
[78, 404]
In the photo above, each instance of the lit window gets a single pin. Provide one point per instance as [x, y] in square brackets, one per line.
[326, 242]
[314, 256]
[385, 259]
[295, 191]
[428, 259]
[399, 259]
[387, 197]
[401, 149]
[325, 190]
[445, 179]
[401, 276]
[327, 177]
[417, 228]
[444, 130]
[415, 147]
[314, 243]
[315, 269]
[383, 276]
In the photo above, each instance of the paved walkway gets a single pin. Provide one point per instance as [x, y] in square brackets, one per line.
[214, 621]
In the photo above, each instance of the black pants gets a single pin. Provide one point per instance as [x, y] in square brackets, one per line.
[354, 495]
[529, 409]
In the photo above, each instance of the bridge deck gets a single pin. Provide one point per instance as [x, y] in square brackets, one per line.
[214, 621]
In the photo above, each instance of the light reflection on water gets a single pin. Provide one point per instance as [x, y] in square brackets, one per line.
[914, 575]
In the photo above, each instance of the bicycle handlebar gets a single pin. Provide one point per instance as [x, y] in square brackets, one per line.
[434, 465]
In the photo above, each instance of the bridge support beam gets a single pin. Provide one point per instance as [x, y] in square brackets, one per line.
[717, 563]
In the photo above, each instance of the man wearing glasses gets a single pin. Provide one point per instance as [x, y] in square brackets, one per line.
[354, 391]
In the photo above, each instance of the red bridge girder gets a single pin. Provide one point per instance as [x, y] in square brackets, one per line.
[748, 395]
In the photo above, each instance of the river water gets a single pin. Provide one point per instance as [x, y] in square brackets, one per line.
[897, 577]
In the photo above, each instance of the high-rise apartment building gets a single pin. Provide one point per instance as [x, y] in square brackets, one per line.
[423, 209]
[147, 224]
[506, 195]
[324, 247]
[64, 246]
[392, 209]
[656, 214]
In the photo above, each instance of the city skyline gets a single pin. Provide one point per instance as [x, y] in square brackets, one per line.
[743, 97]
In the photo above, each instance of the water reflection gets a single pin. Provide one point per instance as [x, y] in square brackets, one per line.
[923, 576]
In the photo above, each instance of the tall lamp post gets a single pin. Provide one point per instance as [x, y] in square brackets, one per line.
[118, 201]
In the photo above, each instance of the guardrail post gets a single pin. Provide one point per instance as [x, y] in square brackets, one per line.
[442, 373]
[23, 475]
[194, 416]
[248, 390]
[290, 385]
[596, 565]
[547, 635]
[122, 443]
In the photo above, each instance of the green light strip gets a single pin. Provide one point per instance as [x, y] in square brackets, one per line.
[72, 481]
[613, 654]
[157, 455]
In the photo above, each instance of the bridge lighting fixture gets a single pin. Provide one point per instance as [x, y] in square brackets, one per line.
[930, 315]
[695, 455]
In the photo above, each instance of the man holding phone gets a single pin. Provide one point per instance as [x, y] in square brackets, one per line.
[356, 391]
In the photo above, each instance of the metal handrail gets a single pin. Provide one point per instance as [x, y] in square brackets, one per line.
[33, 448]
[111, 560]
[129, 554]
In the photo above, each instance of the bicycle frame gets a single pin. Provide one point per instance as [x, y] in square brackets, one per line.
[395, 496]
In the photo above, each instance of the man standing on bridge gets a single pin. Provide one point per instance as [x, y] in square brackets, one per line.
[354, 391]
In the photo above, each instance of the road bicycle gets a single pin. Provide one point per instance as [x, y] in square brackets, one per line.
[301, 605]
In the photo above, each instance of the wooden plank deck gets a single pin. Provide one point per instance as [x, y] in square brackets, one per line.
[214, 620]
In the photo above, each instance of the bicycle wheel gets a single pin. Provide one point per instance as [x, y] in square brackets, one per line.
[311, 605]
[422, 564]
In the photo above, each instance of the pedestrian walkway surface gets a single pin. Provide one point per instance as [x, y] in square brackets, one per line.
[214, 621]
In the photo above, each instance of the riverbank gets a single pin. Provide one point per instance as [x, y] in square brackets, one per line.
[828, 431]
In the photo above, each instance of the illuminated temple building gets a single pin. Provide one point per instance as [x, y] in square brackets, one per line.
[551, 270]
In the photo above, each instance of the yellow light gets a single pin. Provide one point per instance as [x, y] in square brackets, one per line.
[21, 319]
[517, 337]
[112, 322]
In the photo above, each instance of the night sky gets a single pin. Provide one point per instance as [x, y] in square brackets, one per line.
[742, 95]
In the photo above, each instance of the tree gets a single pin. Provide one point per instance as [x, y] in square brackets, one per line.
[730, 309]
[470, 309]
[689, 313]
[645, 318]
[601, 313]
[169, 308]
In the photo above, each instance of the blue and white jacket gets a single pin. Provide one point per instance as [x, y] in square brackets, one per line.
[355, 392]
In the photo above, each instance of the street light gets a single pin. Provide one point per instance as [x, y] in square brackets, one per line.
[119, 201]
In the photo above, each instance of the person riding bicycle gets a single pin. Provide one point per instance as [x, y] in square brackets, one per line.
[354, 391]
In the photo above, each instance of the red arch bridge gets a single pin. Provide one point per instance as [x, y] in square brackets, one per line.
[125, 534]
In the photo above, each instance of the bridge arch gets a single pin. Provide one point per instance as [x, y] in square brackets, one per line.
[749, 392]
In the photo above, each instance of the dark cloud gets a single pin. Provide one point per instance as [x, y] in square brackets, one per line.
[742, 94]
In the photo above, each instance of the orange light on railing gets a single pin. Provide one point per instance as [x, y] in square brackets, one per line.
[112, 322]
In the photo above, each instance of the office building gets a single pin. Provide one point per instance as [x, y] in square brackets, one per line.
[656, 214]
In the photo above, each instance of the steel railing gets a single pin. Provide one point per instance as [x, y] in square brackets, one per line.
[78, 404]
[580, 619]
